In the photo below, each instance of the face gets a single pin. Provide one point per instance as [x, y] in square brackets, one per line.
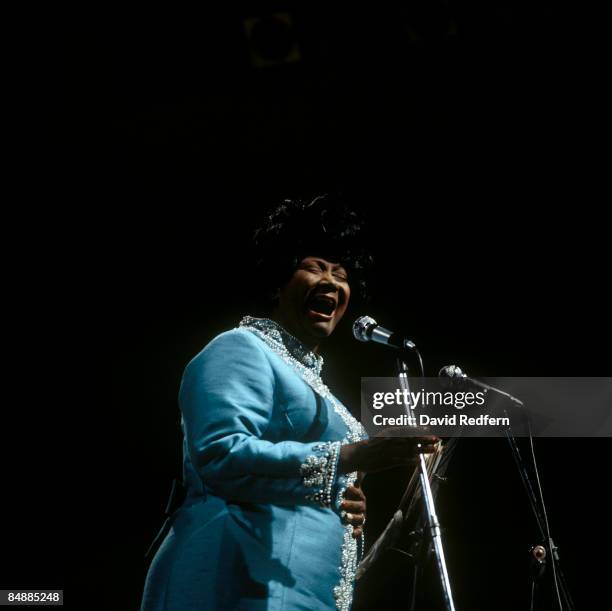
[314, 300]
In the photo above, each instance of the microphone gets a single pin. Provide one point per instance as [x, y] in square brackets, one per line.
[456, 373]
[366, 329]
[452, 371]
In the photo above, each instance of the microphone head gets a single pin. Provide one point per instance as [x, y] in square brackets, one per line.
[451, 371]
[362, 328]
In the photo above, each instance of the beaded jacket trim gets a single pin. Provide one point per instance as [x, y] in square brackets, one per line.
[319, 470]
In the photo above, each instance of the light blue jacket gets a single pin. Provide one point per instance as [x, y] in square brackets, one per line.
[260, 528]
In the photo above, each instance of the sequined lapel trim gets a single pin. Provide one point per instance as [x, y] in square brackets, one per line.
[282, 341]
[308, 365]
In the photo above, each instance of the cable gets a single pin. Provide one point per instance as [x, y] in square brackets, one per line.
[531, 495]
[551, 544]
[420, 361]
[540, 513]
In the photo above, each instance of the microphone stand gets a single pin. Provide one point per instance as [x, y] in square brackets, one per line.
[535, 500]
[539, 511]
[430, 507]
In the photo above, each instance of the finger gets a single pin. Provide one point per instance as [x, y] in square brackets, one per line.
[427, 439]
[408, 453]
[354, 493]
[356, 519]
[353, 506]
[357, 532]
[425, 449]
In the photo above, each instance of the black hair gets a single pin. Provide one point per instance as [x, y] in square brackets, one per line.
[324, 226]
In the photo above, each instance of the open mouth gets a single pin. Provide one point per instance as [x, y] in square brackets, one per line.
[321, 306]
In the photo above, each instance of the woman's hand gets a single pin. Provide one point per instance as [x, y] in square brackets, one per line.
[378, 453]
[354, 504]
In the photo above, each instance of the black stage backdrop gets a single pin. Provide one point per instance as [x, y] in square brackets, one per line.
[467, 132]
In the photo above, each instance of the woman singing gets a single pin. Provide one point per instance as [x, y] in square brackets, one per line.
[273, 515]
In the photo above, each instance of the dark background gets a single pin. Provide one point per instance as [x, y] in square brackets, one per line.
[469, 133]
